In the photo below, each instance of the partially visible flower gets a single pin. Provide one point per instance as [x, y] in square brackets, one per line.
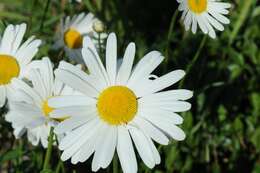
[208, 14]
[120, 105]
[15, 57]
[30, 110]
[72, 34]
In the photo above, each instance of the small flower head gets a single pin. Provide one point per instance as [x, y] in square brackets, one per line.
[74, 29]
[208, 14]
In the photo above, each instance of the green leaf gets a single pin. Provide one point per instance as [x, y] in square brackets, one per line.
[255, 139]
[11, 155]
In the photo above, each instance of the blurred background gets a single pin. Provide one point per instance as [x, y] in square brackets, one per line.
[223, 126]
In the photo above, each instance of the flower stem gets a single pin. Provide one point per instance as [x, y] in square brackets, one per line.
[60, 166]
[173, 19]
[49, 150]
[241, 19]
[44, 14]
[194, 59]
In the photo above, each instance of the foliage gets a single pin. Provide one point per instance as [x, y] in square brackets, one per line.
[223, 127]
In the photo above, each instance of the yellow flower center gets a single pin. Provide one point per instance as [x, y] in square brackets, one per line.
[117, 105]
[9, 68]
[73, 39]
[198, 6]
[46, 109]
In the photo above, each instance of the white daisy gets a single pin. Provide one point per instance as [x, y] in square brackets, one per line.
[119, 105]
[30, 110]
[72, 33]
[208, 14]
[14, 57]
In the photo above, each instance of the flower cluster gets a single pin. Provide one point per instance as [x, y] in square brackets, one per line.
[94, 108]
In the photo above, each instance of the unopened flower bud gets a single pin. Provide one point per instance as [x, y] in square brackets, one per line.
[99, 26]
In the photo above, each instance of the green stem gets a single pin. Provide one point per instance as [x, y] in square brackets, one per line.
[44, 14]
[241, 19]
[60, 165]
[115, 164]
[49, 150]
[90, 6]
[173, 19]
[194, 59]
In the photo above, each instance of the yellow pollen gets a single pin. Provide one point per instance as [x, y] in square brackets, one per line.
[198, 6]
[9, 68]
[73, 39]
[117, 105]
[46, 109]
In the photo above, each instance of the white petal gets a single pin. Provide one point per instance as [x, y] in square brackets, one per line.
[126, 67]
[73, 111]
[111, 57]
[142, 146]
[70, 100]
[202, 25]
[28, 50]
[47, 73]
[38, 83]
[172, 130]
[8, 37]
[214, 22]
[163, 82]
[170, 95]
[95, 83]
[145, 67]
[93, 62]
[19, 84]
[125, 151]
[219, 17]
[194, 24]
[86, 150]
[161, 115]
[151, 131]
[105, 147]
[76, 138]
[76, 82]
[72, 123]
[19, 36]
[173, 106]
[26, 109]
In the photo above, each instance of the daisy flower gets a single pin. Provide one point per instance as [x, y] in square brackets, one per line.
[72, 33]
[15, 57]
[30, 110]
[119, 107]
[208, 14]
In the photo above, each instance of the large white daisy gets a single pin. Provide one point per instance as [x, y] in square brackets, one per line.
[30, 110]
[208, 14]
[15, 57]
[119, 105]
[72, 33]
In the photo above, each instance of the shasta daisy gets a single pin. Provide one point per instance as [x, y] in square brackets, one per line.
[30, 110]
[15, 57]
[208, 14]
[120, 105]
